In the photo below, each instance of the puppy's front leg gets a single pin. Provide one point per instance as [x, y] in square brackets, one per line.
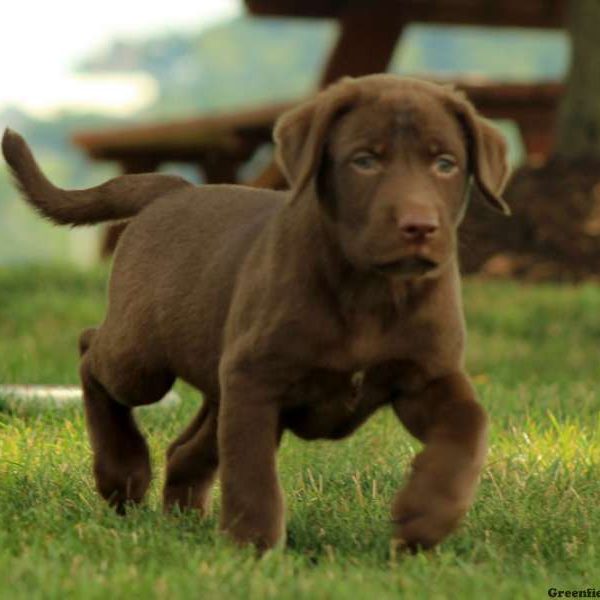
[249, 433]
[453, 426]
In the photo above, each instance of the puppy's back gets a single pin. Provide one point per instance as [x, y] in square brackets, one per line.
[176, 267]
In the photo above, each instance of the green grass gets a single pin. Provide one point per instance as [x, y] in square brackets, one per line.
[534, 353]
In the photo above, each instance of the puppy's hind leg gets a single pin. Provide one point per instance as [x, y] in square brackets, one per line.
[189, 432]
[193, 460]
[121, 459]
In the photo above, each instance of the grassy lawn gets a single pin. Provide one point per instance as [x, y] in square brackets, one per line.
[534, 353]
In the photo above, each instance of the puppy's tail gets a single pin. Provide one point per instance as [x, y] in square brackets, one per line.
[119, 198]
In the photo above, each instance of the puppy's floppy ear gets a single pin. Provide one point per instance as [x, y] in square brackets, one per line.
[488, 153]
[300, 133]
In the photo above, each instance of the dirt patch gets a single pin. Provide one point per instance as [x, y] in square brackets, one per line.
[554, 233]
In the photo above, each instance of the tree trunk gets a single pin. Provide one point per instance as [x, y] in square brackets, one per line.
[579, 120]
[555, 229]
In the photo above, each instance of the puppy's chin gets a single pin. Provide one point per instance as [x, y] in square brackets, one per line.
[409, 267]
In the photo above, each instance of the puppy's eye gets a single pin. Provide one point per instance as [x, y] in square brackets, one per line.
[365, 161]
[445, 164]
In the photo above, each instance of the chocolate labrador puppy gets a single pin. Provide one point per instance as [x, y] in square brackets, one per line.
[305, 310]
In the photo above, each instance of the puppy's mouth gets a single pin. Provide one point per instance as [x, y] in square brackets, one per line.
[409, 266]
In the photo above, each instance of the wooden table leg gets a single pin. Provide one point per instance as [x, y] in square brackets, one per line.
[366, 43]
[217, 168]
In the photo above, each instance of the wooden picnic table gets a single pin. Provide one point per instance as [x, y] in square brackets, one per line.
[369, 30]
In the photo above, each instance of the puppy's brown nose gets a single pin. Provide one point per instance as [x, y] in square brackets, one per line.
[418, 229]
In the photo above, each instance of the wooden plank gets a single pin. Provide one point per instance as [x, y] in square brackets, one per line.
[500, 13]
[233, 133]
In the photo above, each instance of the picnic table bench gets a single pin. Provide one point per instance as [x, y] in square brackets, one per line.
[220, 144]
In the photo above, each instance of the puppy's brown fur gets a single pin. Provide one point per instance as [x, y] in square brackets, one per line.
[305, 310]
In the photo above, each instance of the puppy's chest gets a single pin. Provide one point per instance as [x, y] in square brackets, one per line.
[370, 341]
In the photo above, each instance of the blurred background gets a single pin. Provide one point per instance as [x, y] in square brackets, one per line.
[193, 87]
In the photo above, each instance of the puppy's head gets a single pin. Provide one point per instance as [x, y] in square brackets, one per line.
[390, 162]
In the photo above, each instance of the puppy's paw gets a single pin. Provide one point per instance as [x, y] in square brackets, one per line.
[438, 494]
[422, 525]
[264, 531]
[186, 496]
[122, 485]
